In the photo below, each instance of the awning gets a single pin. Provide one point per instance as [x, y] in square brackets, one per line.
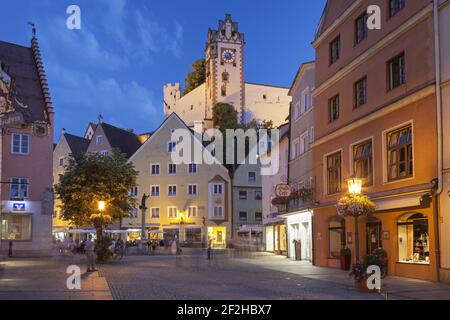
[81, 231]
[256, 228]
[156, 232]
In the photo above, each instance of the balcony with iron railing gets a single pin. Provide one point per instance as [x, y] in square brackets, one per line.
[302, 197]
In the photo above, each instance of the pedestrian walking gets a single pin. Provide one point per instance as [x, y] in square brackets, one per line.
[89, 247]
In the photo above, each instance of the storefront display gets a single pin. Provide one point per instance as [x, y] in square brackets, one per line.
[413, 239]
[16, 227]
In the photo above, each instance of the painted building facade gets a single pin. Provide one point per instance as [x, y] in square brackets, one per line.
[190, 202]
[301, 180]
[225, 82]
[376, 120]
[67, 145]
[247, 204]
[26, 117]
[274, 225]
[444, 85]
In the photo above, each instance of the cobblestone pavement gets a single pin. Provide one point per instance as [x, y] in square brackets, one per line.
[224, 277]
[45, 279]
[192, 277]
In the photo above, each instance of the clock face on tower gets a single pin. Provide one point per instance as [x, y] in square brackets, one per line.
[228, 56]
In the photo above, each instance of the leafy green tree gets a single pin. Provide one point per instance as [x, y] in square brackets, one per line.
[195, 77]
[225, 117]
[91, 178]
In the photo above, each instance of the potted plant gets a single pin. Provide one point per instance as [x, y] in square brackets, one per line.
[382, 261]
[359, 272]
[346, 258]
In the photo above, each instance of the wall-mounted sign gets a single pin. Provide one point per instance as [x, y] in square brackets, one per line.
[283, 190]
[19, 206]
[11, 119]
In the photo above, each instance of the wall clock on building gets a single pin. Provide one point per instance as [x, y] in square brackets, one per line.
[228, 56]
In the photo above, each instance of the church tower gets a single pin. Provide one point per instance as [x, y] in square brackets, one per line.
[224, 58]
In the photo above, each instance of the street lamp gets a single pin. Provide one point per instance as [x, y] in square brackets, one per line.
[354, 185]
[101, 205]
[354, 188]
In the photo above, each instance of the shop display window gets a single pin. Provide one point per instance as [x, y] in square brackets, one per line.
[413, 239]
[193, 235]
[16, 227]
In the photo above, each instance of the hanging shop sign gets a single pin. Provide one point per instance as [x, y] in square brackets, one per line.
[283, 190]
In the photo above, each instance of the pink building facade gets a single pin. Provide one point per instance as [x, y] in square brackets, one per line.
[26, 123]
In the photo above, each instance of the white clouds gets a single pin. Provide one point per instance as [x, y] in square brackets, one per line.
[102, 68]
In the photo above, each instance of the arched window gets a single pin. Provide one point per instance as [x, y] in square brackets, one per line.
[336, 235]
[413, 239]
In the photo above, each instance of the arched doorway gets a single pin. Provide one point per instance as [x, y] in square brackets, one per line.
[373, 235]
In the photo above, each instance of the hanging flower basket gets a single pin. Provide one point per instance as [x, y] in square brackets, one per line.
[355, 205]
[280, 201]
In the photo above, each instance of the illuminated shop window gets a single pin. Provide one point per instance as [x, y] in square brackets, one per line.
[16, 227]
[413, 239]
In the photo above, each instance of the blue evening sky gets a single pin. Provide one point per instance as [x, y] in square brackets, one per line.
[127, 50]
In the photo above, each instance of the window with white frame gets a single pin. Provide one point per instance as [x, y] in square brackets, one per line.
[172, 168]
[171, 146]
[297, 110]
[295, 148]
[192, 189]
[192, 168]
[61, 162]
[19, 188]
[154, 213]
[217, 188]
[218, 212]
[154, 191]
[154, 169]
[192, 211]
[172, 212]
[304, 145]
[242, 195]
[134, 192]
[306, 100]
[98, 140]
[172, 190]
[104, 153]
[20, 143]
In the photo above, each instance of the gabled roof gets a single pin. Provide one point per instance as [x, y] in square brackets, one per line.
[90, 125]
[300, 71]
[126, 141]
[24, 66]
[183, 124]
[77, 145]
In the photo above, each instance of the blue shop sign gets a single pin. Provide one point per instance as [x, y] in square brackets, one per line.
[19, 206]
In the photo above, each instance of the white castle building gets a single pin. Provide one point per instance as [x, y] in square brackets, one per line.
[225, 82]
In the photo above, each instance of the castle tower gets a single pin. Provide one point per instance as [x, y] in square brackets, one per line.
[171, 95]
[224, 57]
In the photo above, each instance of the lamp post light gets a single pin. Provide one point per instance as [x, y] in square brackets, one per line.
[355, 187]
[101, 205]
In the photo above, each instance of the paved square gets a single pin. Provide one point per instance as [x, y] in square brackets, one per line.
[192, 277]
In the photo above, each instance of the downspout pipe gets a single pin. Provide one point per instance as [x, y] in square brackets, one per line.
[439, 187]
